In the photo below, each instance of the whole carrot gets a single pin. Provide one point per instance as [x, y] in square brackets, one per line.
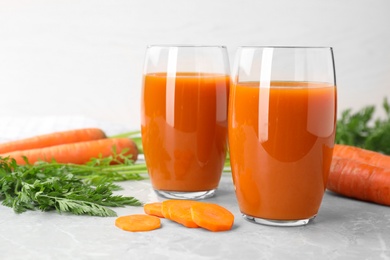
[77, 153]
[359, 180]
[362, 155]
[56, 138]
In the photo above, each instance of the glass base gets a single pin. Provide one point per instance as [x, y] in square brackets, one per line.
[279, 223]
[190, 195]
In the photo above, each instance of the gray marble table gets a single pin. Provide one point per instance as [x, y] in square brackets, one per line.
[343, 229]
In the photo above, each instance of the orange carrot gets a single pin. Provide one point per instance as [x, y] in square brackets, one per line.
[77, 153]
[212, 216]
[56, 138]
[138, 223]
[165, 208]
[362, 155]
[180, 212]
[191, 214]
[359, 180]
[154, 209]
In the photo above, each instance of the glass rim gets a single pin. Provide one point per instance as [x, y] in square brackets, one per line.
[185, 46]
[284, 47]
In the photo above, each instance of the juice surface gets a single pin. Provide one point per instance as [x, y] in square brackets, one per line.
[184, 129]
[281, 141]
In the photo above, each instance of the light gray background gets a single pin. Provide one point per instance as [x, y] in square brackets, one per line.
[85, 58]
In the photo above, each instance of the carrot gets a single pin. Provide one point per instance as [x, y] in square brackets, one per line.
[154, 209]
[138, 223]
[56, 138]
[165, 208]
[212, 216]
[77, 153]
[363, 155]
[192, 214]
[359, 180]
[180, 212]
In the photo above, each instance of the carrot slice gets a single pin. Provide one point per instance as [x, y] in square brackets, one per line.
[138, 223]
[180, 212]
[165, 208]
[212, 216]
[154, 209]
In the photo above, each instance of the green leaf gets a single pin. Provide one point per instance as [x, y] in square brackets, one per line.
[379, 140]
[360, 129]
[52, 186]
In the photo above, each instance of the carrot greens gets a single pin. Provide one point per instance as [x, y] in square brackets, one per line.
[360, 129]
[78, 189]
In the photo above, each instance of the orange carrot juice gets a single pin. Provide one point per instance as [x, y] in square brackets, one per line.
[281, 141]
[184, 129]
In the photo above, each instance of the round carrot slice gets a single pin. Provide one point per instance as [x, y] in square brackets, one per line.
[154, 209]
[180, 212]
[212, 216]
[138, 223]
[165, 208]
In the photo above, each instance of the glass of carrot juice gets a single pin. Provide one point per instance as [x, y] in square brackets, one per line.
[184, 110]
[282, 122]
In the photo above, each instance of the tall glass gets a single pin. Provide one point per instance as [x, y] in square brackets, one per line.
[184, 118]
[282, 122]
